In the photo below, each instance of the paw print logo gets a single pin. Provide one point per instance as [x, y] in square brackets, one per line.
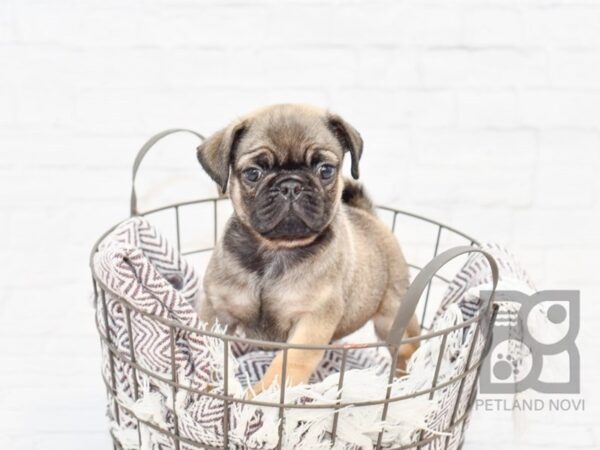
[506, 367]
[533, 345]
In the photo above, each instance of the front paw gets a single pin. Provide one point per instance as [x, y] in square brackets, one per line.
[265, 383]
[256, 389]
[404, 354]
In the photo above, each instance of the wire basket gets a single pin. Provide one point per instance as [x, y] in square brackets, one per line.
[446, 433]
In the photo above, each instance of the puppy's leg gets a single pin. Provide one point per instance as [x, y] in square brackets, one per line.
[383, 320]
[311, 329]
[205, 310]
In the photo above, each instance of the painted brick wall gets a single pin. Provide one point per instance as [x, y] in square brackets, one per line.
[482, 114]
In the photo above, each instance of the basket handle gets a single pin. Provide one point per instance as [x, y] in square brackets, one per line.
[142, 153]
[409, 302]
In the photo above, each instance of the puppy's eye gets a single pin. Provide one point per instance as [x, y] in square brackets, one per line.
[252, 174]
[326, 171]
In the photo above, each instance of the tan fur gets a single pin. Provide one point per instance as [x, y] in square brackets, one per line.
[358, 274]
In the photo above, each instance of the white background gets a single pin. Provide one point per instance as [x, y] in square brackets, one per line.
[482, 114]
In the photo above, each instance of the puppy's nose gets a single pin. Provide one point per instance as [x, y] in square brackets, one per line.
[290, 188]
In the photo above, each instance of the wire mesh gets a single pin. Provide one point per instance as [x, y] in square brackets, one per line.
[446, 438]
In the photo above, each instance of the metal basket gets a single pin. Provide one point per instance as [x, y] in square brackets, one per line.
[450, 435]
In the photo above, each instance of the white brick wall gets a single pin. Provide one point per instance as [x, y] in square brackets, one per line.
[482, 114]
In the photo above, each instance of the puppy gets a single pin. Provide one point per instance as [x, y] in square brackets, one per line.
[303, 259]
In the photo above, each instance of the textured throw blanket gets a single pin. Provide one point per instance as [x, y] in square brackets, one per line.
[139, 266]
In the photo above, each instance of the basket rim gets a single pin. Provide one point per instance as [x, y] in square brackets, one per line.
[273, 344]
[393, 210]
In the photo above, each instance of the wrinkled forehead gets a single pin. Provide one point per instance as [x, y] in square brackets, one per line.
[289, 138]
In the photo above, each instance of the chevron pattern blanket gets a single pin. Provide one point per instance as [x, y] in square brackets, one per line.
[146, 313]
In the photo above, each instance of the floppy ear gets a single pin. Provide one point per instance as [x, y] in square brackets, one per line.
[349, 139]
[216, 153]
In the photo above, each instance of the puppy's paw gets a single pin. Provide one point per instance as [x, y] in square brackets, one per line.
[404, 354]
[256, 389]
[252, 392]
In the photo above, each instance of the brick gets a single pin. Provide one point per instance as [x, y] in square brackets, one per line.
[205, 110]
[7, 23]
[483, 108]
[134, 67]
[563, 25]
[492, 26]
[8, 105]
[309, 67]
[293, 24]
[58, 267]
[66, 186]
[387, 68]
[69, 344]
[482, 149]
[378, 107]
[366, 107]
[247, 69]
[78, 24]
[45, 107]
[430, 25]
[209, 25]
[383, 175]
[427, 108]
[10, 70]
[484, 67]
[57, 66]
[551, 432]
[574, 67]
[184, 67]
[382, 25]
[41, 22]
[496, 225]
[569, 146]
[56, 150]
[48, 66]
[545, 107]
[539, 228]
[533, 260]
[57, 421]
[580, 268]
[114, 110]
[314, 96]
[30, 369]
[66, 441]
[462, 185]
[483, 425]
[32, 396]
[397, 23]
[22, 224]
[383, 143]
[567, 186]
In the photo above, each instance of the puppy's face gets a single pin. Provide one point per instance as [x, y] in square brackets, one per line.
[283, 166]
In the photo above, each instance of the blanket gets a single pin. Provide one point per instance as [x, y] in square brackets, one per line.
[145, 286]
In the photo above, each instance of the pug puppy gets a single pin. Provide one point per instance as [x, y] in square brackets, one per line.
[303, 259]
